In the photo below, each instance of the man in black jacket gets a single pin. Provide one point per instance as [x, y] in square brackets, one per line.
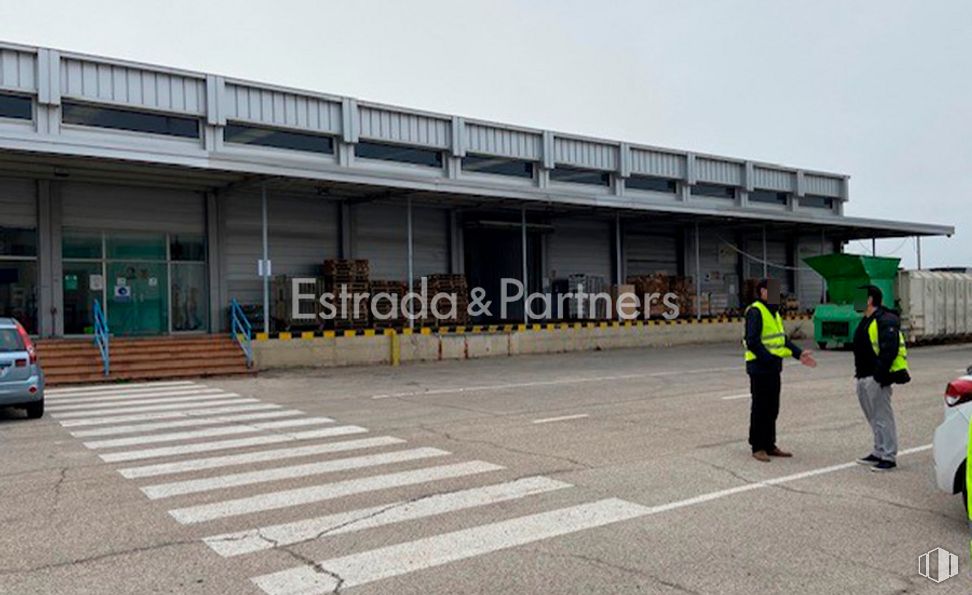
[880, 360]
[766, 347]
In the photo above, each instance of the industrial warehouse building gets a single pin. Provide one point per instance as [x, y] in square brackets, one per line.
[159, 191]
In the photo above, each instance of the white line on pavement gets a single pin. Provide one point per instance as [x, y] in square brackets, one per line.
[256, 457]
[145, 409]
[263, 538]
[403, 558]
[578, 380]
[319, 493]
[734, 397]
[208, 433]
[109, 388]
[548, 420]
[99, 421]
[182, 449]
[193, 486]
[141, 402]
[178, 392]
[186, 423]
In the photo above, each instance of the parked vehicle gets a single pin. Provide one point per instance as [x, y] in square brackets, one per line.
[21, 377]
[951, 438]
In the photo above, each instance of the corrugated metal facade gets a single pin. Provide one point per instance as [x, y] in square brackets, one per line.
[577, 246]
[719, 276]
[18, 203]
[657, 163]
[18, 70]
[303, 232]
[128, 208]
[282, 109]
[586, 154]
[381, 235]
[774, 179]
[647, 252]
[810, 284]
[823, 185]
[402, 127]
[135, 87]
[492, 140]
[718, 172]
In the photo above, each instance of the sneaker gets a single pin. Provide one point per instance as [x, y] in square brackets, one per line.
[884, 466]
[868, 460]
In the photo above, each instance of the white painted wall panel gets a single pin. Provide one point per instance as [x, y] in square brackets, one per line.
[403, 127]
[130, 86]
[282, 109]
[657, 163]
[774, 179]
[18, 203]
[586, 154]
[380, 234]
[492, 140]
[579, 246]
[822, 185]
[718, 172]
[131, 208]
[18, 70]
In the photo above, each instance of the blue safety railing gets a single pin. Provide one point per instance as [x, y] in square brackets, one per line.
[101, 335]
[241, 331]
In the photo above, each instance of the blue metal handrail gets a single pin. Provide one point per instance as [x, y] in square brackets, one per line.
[101, 335]
[241, 331]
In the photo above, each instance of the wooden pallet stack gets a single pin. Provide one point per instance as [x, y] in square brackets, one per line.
[389, 305]
[647, 285]
[450, 285]
[352, 276]
[684, 289]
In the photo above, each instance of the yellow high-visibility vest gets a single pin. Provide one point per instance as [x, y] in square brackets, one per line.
[772, 337]
[901, 360]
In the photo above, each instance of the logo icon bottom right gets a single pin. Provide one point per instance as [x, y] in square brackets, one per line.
[938, 565]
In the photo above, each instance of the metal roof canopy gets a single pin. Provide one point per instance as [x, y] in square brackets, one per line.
[147, 174]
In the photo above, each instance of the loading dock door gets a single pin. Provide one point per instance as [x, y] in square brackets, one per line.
[649, 253]
[495, 254]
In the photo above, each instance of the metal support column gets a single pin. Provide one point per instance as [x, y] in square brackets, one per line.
[873, 247]
[765, 257]
[618, 258]
[526, 287]
[918, 250]
[265, 265]
[698, 273]
[411, 259]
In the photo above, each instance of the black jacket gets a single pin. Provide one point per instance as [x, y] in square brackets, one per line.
[866, 363]
[765, 362]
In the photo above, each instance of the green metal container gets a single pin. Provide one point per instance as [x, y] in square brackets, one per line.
[834, 323]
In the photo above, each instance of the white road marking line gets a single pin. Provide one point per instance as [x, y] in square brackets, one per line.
[734, 397]
[263, 538]
[329, 491]
[185, 423]
[179, 392]
[148, 408]
[403, 558]
[100, 421]
[155, 401]
[182, 449]
[547, 420]
[486, 387]
[109, 388]
[256, 457]
[208, 433]
[194, 486]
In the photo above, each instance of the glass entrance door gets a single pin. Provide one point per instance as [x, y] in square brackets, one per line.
[138, 301]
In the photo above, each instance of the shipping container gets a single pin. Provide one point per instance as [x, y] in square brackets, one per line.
[935, 306]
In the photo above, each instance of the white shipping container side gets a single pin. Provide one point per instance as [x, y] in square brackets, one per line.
[935, 305]
[18, 203]
[580, 246]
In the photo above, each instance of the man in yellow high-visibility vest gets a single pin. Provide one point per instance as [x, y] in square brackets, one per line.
[766, 347]
[880, 361]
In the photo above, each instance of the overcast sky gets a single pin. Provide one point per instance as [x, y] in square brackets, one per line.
[880, 90]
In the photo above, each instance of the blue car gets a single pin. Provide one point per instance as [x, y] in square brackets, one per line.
[21, 377]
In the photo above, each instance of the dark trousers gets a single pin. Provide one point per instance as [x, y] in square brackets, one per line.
[765, 391]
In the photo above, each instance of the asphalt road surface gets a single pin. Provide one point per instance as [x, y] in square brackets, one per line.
[609, 472]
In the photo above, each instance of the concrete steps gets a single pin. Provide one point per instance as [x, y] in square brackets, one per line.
[77, 361]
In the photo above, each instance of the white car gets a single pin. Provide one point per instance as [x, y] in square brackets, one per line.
[952, 437]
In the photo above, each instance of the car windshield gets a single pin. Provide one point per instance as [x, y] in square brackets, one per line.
[10, 340]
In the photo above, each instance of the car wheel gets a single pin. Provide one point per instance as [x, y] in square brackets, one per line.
[35, 410]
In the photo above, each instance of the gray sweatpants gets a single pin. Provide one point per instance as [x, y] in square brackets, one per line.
[876, 403]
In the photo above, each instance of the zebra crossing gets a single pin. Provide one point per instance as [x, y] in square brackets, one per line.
[213, 456]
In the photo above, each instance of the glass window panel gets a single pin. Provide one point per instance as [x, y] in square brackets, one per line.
[18, 292]
[81, 244]
[187, 248]
[82, 284]
[576, 175]
[398, 153]
[190, 311]
[714, 190]
[18, 242]
[817, 202]
[136, 246]
[280, 139]
[138, 298]
[769, 197]
[652, 183]
[498, 165]
[16, 106]
[120, 119]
